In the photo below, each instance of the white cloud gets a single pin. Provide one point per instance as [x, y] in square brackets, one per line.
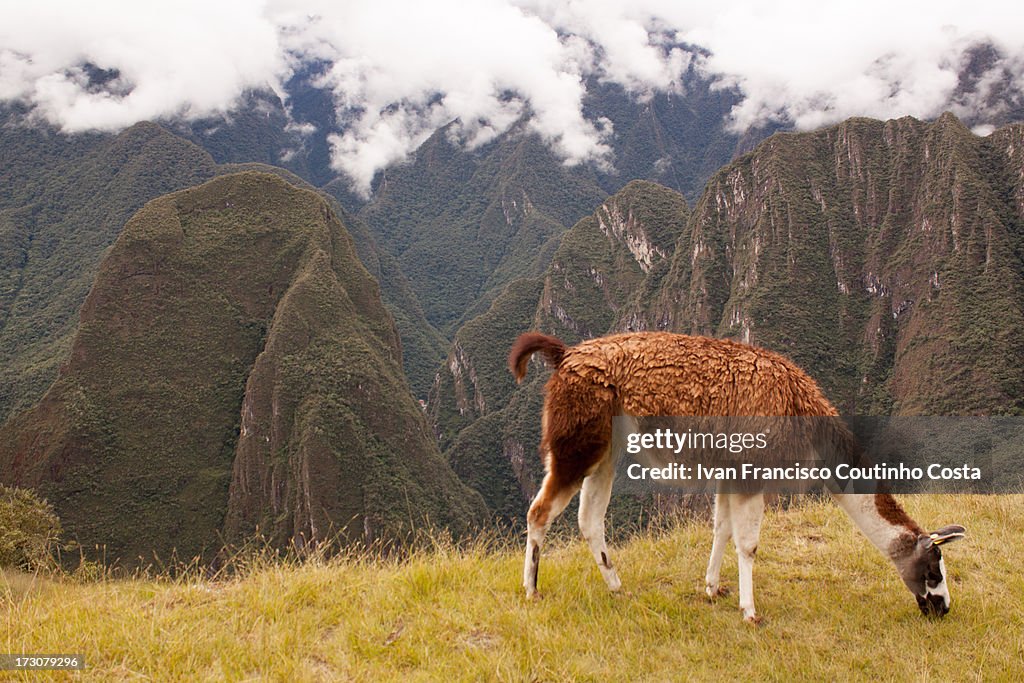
[814, 64]
[400, 69]
[189, 58]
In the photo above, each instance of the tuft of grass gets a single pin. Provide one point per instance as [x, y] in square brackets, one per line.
[834, 609]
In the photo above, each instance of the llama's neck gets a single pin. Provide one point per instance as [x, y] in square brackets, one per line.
[883, 521]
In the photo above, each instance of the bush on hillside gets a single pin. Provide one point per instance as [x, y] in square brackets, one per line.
[29, 529]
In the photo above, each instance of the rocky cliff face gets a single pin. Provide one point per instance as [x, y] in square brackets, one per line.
[609, 259]
[488, 427]
[885, 257]
[234, 367]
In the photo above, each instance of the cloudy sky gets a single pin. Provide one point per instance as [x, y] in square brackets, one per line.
[399, 69]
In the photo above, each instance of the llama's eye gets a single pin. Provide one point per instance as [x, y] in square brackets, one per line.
[933, 579]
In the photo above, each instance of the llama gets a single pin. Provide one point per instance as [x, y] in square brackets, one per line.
[658, 373]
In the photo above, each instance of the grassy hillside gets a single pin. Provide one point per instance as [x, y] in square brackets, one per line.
[834, 609]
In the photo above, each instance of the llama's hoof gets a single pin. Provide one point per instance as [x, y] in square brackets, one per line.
[754, 620]
[715, 592]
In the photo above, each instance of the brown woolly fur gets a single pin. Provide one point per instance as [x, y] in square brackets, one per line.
[528, 344]
[658, 373]
[893, 512]
[577, 437]
[654, 373]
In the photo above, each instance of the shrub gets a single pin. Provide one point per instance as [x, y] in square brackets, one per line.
[29, 529]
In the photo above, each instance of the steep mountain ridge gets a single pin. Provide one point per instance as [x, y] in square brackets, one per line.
[887, 258]
[66, 201]
[422, 345]
[882, 256]
[234, 367]
[462, 225]
[488, 426]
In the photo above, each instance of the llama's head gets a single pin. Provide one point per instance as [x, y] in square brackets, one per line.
[924, 571]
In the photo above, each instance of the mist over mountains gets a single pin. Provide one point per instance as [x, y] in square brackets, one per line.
[221, 321]
[391, 73]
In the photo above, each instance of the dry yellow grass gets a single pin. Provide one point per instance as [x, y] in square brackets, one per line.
[834, 609]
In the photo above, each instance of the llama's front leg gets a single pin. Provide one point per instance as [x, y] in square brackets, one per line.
[597, 491]
[547, 505]
[723, 531]
[746, 512]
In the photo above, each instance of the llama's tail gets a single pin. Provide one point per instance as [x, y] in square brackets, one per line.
[530, 343]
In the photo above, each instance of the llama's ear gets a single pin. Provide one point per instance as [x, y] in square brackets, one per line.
[946, 534]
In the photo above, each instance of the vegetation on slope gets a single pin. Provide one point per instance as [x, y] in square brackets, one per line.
[423, 347]
[488, 427]
[29, 530]
[470, 407]
[674, 140]
[462, 225]
[223, 312]
[834, 610]
[63, 201]
[884, 257]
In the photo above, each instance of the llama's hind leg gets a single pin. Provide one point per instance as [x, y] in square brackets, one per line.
[723, 532]
[746, 513]
[545, 509]
[597, 491]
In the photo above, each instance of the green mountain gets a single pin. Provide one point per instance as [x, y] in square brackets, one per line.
[884, 257]
[233, 367]
[423, 347]
[463, 225]
[675, 139]
[488, 427]
[63, 201]
[887, 258]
